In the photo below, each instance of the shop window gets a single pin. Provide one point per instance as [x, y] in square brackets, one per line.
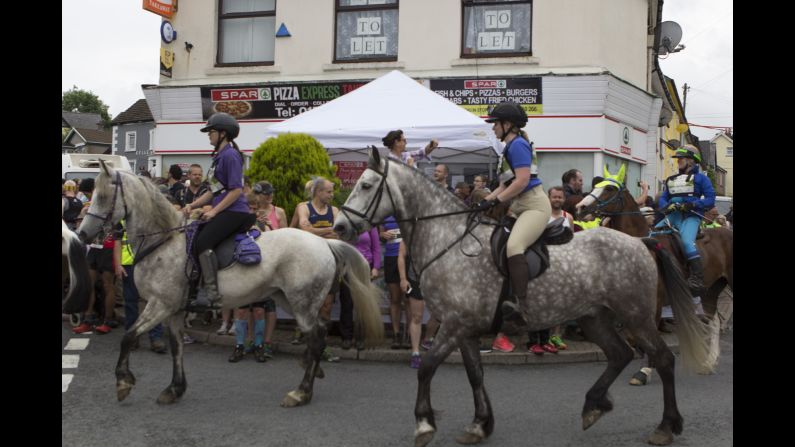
[494, 28]
[151, 140]
[366, 30]
[246, 32]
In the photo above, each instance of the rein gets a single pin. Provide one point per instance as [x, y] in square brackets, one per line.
[373, 207]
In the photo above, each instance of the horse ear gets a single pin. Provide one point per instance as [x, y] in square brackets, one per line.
[622, 173]
[374, 162]
[106, 168]
[606, 172]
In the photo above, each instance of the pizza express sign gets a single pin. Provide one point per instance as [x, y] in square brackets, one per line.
[477, 95]
[271, 101]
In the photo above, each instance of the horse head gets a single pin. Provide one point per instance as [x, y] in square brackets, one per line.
[607, 196]
[370, 201]
[107, 204]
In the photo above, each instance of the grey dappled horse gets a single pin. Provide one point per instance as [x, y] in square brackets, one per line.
[600, 276]
[75, 267]
[297, 270]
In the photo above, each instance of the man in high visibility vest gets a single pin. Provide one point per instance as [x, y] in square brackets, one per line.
[123, 260]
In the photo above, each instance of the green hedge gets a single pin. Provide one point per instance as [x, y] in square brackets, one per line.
[288, 162]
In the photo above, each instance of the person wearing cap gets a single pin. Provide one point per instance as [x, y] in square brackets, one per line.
[230, 212]
[530, 204]
[268, 215]
[685, 198]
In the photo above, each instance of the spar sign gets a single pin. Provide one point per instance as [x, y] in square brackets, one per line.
[477, 95]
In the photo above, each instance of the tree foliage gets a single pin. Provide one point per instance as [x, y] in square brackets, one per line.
[288, 162]
[76, 100]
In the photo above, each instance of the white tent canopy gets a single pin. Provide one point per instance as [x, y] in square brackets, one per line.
[348, 125]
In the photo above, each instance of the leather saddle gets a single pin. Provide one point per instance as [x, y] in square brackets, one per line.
[537, 254]
[225, 251]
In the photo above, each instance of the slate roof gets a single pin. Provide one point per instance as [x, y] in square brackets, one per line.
[82, 120]
[136, 113]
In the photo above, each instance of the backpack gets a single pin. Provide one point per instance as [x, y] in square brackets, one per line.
[72, 210]
[247, 252]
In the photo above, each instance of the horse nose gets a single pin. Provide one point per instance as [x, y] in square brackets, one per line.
[83, 237]
[339, 228]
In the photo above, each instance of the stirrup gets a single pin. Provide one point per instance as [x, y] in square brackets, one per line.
[510, 312]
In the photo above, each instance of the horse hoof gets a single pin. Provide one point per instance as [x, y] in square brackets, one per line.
[320, 374]
[660, 437]
[473, 434]
[167, 397]
[295, 398]
[423, 434]
[590, 418]
[123, 390]
[423, 439]
[641, 377]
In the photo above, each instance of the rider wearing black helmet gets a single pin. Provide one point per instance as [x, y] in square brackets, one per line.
[530, 204]
[230, 212]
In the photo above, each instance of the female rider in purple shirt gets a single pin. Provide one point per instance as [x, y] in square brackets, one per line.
[230, 213]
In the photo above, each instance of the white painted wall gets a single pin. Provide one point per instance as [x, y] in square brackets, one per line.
[569, 36]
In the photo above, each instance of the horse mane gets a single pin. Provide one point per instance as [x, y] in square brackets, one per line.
[152, 207]
[421, 175]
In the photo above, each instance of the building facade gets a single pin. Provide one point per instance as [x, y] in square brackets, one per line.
[581, 69]
[724, 153]
[133, 135]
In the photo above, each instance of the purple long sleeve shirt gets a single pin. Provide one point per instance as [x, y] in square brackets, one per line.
[369, 245]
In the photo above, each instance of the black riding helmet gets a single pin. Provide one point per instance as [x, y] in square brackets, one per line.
[223, 121]
[509, 111]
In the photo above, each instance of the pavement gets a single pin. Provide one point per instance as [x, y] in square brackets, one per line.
[577, 351]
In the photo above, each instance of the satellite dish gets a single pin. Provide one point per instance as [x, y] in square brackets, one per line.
[670, 35]
[665, 116]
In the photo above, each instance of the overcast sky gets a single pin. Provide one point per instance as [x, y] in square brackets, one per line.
[112, 47]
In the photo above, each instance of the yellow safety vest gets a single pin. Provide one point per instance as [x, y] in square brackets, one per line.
[127, 257]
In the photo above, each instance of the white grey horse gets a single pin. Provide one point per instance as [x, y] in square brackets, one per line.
[298, 270]
[600, 276]
[75, 267]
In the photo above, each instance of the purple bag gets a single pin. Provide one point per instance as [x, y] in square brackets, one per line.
[247, 252]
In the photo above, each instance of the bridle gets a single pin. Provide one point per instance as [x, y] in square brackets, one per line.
[372, 207]
[106, 219]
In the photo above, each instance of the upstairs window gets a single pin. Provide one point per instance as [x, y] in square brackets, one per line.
[730, 151]
[366, 31]
[130, 145]
[496, 28]
[246, 32]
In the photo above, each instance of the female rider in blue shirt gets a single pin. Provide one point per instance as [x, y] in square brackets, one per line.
[530, 203]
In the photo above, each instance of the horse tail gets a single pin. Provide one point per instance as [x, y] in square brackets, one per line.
[698, 354]
[79, 280]
[356, 272]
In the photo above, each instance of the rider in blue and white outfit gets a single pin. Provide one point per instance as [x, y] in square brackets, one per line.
[687, 193]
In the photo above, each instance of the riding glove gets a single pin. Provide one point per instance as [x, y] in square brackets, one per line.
[487, 204]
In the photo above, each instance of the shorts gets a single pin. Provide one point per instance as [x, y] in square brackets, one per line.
[391, 274]
[269, 305]
[100, 259]
[415, 290]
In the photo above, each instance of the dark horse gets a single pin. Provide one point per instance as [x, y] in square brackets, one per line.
[716, 247]
[596, 278]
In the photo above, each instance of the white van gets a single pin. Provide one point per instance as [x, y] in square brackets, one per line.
[87, 165]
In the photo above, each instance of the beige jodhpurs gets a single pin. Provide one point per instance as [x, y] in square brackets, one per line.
[533, 209]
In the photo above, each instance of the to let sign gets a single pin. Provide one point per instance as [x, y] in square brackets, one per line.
[164, 8]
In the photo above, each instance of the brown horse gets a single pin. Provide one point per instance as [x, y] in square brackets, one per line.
[716, 246]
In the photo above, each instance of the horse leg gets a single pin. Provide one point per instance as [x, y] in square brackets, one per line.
[125, 380]
[600, 330]
[663, 360]
[178, 384]
[315, 342]
[423, 412]
[483, 424]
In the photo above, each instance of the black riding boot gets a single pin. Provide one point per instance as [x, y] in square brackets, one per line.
[696, 278]
[518, 269]
[209, 265]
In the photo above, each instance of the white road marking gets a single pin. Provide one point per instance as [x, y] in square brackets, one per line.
[66, 379]
[69, 361]
[76, 344]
